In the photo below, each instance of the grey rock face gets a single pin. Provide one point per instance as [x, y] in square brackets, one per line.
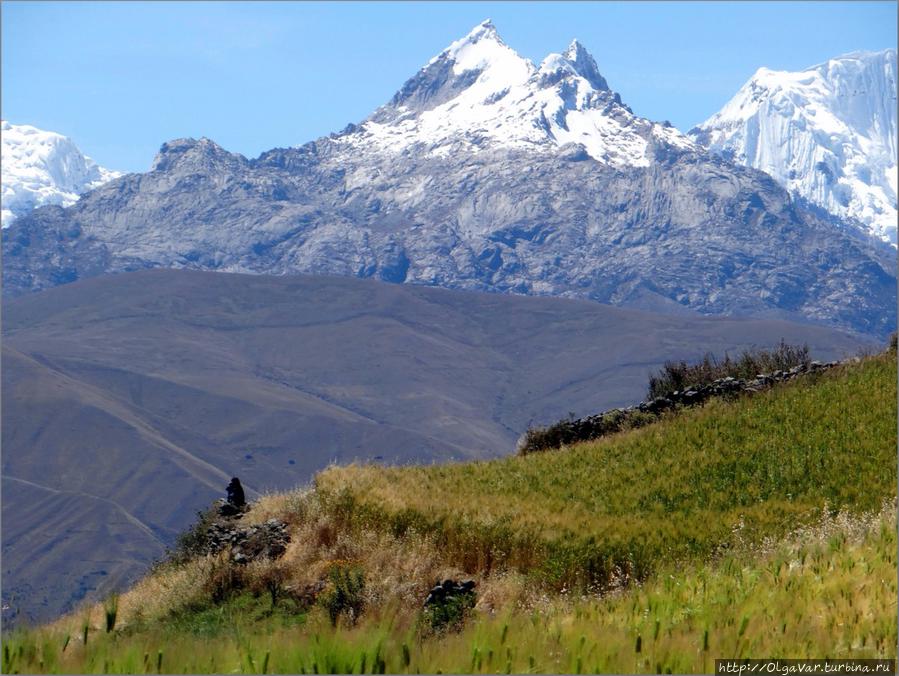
[688, 231]
[666, 228]
[585, 65]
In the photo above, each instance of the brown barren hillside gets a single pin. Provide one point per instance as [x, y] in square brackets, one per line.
[139, 395]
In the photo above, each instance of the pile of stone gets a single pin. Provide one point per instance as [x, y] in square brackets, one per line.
[571, 431]
[449, 590]
[267, 541]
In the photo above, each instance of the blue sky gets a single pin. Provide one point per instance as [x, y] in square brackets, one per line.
[122, 78]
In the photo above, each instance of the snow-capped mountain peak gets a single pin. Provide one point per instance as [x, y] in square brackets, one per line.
[475, 49]
[583, 64]
[827, 133]
[43, 167]
[496, 65]
[479, 93]
[479, 65]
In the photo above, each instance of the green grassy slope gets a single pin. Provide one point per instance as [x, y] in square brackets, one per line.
[755, 528]
[680, 489]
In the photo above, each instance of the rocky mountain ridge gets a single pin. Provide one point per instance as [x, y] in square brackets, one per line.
[483, 172]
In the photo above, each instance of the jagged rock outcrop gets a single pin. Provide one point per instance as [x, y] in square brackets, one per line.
[268, 540]
[484, 172]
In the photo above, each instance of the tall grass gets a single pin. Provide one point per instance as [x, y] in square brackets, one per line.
[679, 375]
[827, 590]
[607, 512]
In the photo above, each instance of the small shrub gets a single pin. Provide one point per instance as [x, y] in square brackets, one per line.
[224, 580]
[448, 615]
[677, 376]
[194, 541]
[271, 581]
[346, 595]
[552, 436]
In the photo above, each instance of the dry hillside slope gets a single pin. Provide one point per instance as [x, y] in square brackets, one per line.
[143, 393]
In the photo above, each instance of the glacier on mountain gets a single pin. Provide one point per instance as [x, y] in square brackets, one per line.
[827, 133]
[42, 167]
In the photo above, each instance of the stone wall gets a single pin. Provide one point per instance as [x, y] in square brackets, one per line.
[567, 432]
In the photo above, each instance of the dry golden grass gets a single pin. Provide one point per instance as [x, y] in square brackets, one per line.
[829, 589]
[152, 598]
[398, 570]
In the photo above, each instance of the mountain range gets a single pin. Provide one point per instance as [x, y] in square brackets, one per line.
[130, 398]
[827, 133]
[483, 172]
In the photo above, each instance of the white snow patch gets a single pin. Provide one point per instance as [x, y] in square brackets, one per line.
[42, 167]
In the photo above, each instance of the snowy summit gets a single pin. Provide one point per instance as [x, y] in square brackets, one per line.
[43, 167]
[479, 93]
[827, 134]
